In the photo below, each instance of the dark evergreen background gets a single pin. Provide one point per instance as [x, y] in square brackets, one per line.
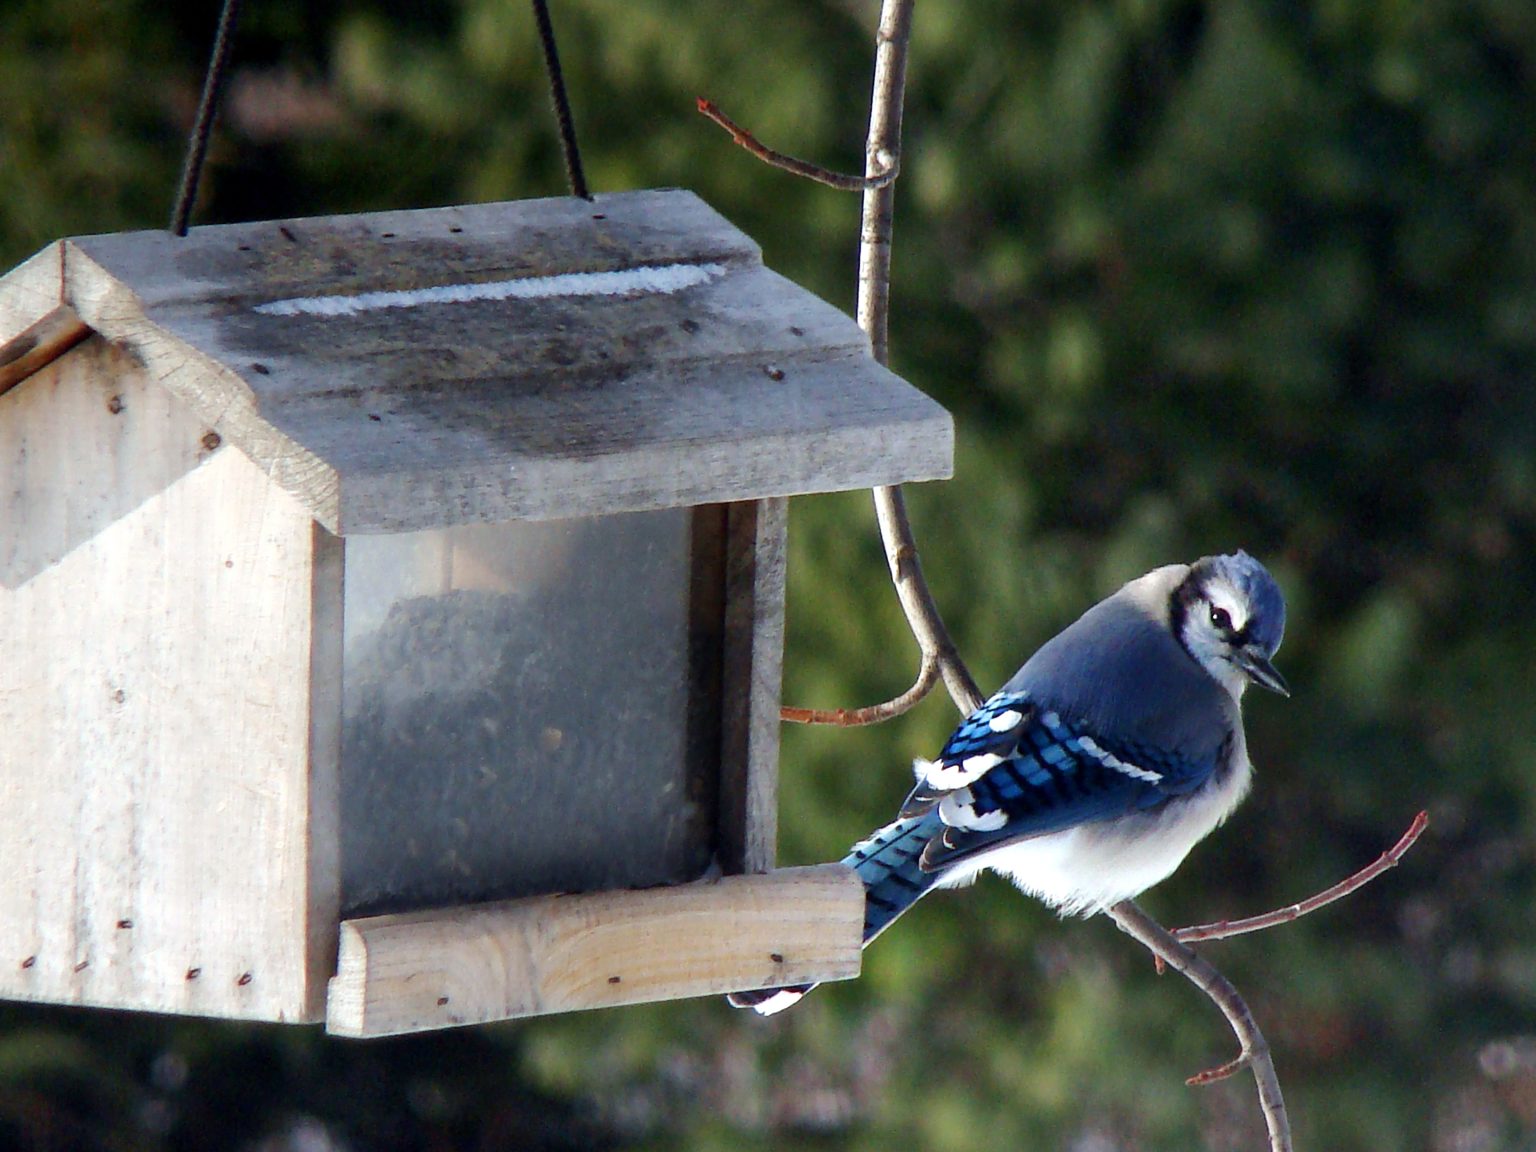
[1191, 276]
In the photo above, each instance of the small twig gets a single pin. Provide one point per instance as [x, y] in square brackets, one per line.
[202, 125]
[575, 176]
[842, 181]
[1222, 929]
[1226, 1071]
[927, 677]
[1254, 1053]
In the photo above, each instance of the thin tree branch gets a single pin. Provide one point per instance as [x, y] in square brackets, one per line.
[917, 601]
[1254, 1049]
[882, 151]
[842, 181]
[927, 677]
[1222, 929]
[882, 162]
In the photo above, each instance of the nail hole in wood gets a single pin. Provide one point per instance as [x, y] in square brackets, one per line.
[29, 962]
[125, 923]
[441, 1000]
[115, 405]
[212, 441]
[245, 978]
[194, 973]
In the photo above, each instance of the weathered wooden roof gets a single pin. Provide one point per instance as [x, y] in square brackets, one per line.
[534, 359]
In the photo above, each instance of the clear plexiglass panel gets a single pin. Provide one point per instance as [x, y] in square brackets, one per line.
[522, 712]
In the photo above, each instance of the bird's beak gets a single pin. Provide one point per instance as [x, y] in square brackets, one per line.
[1261, 671]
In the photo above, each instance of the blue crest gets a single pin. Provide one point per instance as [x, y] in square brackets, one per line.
[1266, 603]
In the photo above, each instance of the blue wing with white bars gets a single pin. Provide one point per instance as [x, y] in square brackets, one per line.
[1015, 769]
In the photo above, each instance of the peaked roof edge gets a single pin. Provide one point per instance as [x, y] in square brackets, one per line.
[706, 447]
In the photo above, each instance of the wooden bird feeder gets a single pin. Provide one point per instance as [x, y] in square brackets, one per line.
[391, 611]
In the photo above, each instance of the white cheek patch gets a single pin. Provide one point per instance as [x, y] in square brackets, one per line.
[958, 810]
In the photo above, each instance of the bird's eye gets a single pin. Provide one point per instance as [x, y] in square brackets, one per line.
[1221, 619]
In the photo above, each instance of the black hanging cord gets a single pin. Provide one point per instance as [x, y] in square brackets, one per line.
[213, 89]
[573, 173]
[207, 110]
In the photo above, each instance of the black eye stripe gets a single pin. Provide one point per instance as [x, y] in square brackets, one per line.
[1191, 603]
[1221, 620]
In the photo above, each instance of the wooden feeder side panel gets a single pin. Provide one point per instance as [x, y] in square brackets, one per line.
[756, 543]
[165, 841]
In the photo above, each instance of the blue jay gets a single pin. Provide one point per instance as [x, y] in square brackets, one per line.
[1091, 773]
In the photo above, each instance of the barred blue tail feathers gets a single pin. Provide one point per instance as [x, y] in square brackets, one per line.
[890, 864]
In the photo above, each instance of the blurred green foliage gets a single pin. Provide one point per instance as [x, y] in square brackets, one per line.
[1192, 276]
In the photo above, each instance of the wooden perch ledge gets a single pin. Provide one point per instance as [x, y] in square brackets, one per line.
[418, 970]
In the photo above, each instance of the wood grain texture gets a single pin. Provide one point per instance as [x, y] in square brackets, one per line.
[322, 818]
[155, 632]
[425, 412]
[756, 546]
[30, 291]
[210, 389]
[423, 970]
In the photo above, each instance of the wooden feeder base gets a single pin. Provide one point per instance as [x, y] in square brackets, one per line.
[415, 971]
